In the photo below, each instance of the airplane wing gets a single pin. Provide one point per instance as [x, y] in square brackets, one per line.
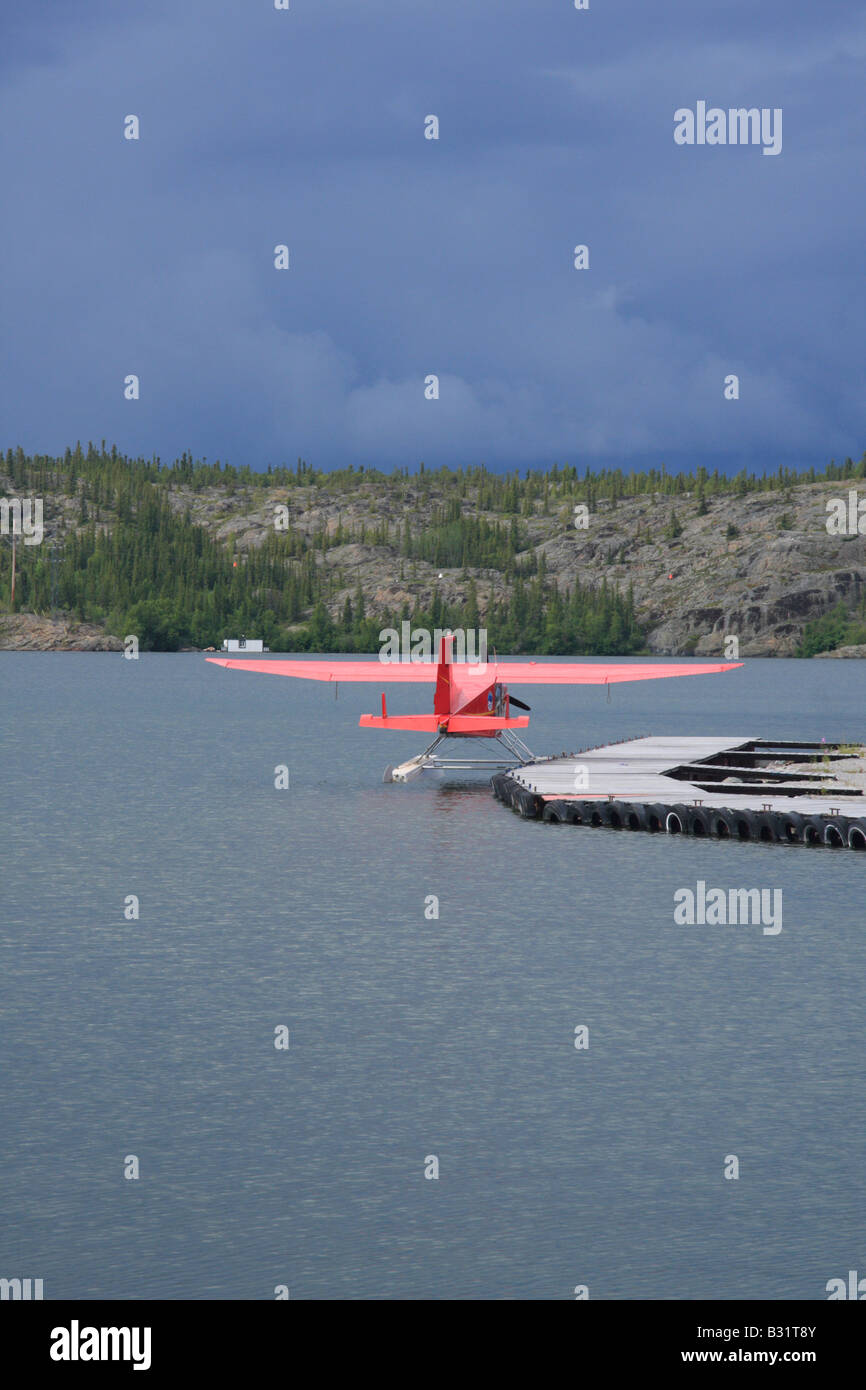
[601, 673]
[527, 672]
[335, 670]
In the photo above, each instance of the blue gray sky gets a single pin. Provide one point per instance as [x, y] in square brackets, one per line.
[411, 256]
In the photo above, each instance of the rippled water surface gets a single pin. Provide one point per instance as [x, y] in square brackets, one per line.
[409, 1037]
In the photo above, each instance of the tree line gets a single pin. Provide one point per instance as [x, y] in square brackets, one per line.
[133, 559]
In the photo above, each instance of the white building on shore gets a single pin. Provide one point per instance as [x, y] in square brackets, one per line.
[243, 646]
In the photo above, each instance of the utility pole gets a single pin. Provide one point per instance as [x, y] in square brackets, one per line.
[54, 581]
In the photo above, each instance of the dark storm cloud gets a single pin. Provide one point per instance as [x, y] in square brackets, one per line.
[412, 257]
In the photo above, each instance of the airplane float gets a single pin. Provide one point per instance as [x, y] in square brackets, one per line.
[469, 700]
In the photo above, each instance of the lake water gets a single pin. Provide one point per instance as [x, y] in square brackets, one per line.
[409, 1037]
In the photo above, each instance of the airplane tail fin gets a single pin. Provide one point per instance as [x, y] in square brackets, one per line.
[442, 695]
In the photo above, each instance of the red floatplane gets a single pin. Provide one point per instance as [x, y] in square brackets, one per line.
[470, 700]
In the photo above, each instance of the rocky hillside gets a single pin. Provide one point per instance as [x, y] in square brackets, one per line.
[779, 571]
[703, 565]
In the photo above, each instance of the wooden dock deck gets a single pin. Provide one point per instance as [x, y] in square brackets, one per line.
[737, 785]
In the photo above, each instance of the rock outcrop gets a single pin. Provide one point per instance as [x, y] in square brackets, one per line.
[25, 632]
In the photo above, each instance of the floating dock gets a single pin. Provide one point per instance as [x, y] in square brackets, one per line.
[730, 788]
